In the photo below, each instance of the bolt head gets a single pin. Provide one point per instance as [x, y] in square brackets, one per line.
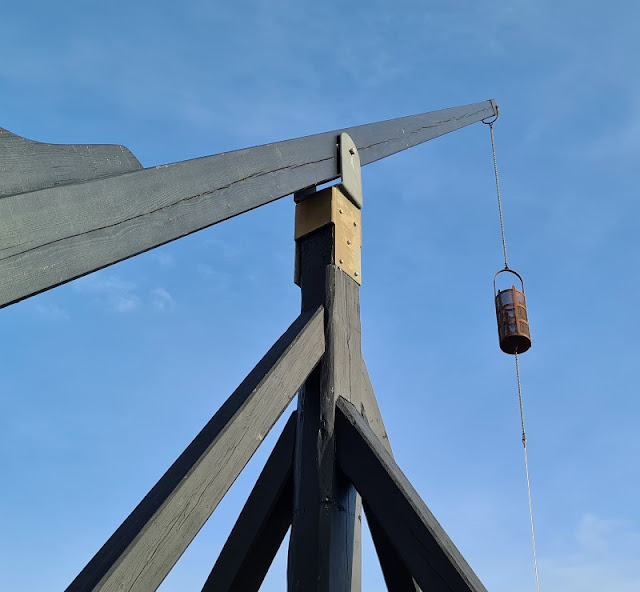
[348, 242]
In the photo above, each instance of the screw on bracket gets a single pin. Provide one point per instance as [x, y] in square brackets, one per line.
[350, 170]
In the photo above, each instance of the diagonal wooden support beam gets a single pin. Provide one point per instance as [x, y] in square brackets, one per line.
[262, 524]
[395, 572]
[140, 554]
[417, 537]
[60, 230]
[396, 575]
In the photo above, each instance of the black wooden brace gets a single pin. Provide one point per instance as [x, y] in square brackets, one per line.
[417, 537]
[257, 535]
[140, 554]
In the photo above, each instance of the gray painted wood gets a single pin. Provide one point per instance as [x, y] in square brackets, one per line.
[29, 166]
[145, 547]
[417, 537]
[56, 234]
[325, 543]
[262, 524]
[395, 572]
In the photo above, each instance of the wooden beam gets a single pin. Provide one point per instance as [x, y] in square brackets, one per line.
[262, 524]
[417, 537]
[145, 547]
[31, 166]
[395, 572]
[396, 575]
[371, 411]
[56, 234]
[325, 543]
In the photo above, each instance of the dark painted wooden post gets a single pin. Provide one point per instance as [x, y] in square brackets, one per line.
[324, 549]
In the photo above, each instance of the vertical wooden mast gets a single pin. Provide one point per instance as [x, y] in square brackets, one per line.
[324, 549]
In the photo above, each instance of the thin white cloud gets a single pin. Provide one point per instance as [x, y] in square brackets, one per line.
[161, 299]
[164, 259]
[115, 293]
[52, 312]
[606, 557]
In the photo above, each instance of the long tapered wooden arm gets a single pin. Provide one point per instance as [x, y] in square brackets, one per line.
[67, 226]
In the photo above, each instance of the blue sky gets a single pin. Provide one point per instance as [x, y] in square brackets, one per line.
[105, 380]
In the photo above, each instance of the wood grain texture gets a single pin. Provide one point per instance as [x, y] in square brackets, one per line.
[145, 547]
[324, 548]
[262, 524]
[31, 166]
[417, 537]
[56, 234]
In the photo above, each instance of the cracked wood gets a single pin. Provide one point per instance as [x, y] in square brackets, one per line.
[324, 547]
[54, 234]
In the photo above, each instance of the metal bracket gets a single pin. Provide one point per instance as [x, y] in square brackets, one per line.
[350, 169]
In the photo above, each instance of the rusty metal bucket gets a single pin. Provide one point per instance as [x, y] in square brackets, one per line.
[513, 321]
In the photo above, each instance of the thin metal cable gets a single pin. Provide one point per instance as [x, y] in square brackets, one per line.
[526, 467]
[495, 170]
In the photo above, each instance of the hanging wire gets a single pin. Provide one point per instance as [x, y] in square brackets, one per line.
[524, 436]
[526, 468]
[495, 170]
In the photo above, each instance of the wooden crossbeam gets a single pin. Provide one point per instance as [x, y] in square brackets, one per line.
[257, 535]
[417, 537]
[57, 232]
[140, 554]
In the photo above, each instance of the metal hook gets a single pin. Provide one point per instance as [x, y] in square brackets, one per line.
[497, 112]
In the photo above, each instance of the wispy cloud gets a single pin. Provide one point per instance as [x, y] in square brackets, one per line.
[115, 293]
[606, 557]
[52, 312]
[164, 259]
[161, 299]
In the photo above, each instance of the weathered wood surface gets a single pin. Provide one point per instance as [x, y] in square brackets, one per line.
[51, 236]
[324, 548]
[257, 535]
[417, 537]
[396, 575]
[26, 165]
[145, 547]
[395, 572]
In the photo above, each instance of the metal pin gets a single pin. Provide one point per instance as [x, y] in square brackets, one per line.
[348, 242]
[356, 274]
[355, 223]
[341, 212]
[341, 260]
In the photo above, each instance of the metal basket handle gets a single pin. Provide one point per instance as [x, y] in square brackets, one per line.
[507, 270]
